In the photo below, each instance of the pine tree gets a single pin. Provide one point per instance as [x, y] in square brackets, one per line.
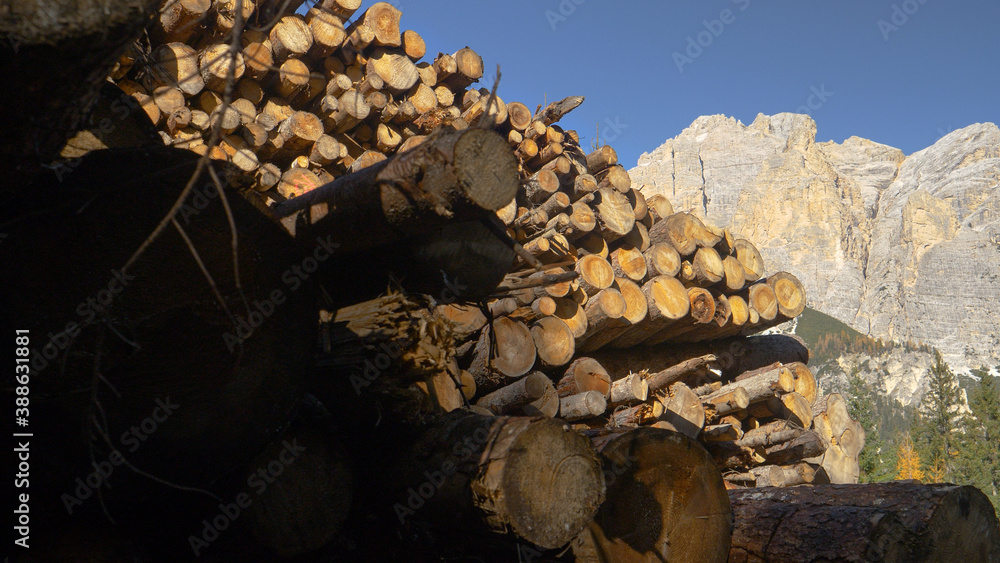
[908, 466]
[876, 459]
[936, 432]
[979, 458]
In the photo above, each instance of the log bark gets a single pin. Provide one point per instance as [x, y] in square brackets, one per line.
[582, 406]
[514, 397]
[388, 202]
[666, 502]
[893, 522]
[530, 478]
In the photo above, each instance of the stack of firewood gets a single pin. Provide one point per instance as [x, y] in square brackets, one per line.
[312, 97]
[619, 315]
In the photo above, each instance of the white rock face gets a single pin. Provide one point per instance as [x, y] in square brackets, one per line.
[904, 248]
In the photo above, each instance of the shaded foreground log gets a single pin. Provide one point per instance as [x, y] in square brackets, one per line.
[665, 502]
[452, 176]
[531, 478]
[902, 521]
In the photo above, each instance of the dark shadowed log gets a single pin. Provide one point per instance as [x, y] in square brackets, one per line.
[456, 175]
[532, 478]
[895, 522]
[160, 334]
[666, 501]
[304, 508]
[60, 62]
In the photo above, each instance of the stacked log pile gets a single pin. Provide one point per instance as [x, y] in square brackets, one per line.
[624, 332]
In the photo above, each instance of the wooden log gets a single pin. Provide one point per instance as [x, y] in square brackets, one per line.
[515, 396]
[895, 522]
[306, 509]
[584, 374]
[573, 314]
[666, 501]
[750, 258]
[805, 445]
[726, 432]
[789, 294]
[468, 69]
[518, 115]
[701, 310]
[343, 9]
[686, 369]
[541, 186]
[635, 311]
[708, 267]
[771, 434]
[660, 206]
[684, 231]
[215, 63]
[513, 356]
[290, 37]
[386, 201]
[466, 320]
[601, 158]
[603, 310]
[729, 402]
[615, 178]
[764, 385]
[177, 66]
[615, 217]
[629, 262]
[683, 411]
[581, 406]
[667, 300]
[595, 274]
[395, 69]
[179, 20]
[761, 298]
[662, 260]
[414, 46]
[382, 19]
[554, 341]
[502, 463]
[629, 389]
[556, 110]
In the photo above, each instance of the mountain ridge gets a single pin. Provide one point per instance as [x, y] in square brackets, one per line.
[899, 247]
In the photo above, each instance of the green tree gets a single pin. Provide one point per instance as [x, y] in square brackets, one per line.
[877, 459]
[979, 457]
[936, 432]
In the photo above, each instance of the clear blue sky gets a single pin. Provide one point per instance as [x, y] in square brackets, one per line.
[938, 70]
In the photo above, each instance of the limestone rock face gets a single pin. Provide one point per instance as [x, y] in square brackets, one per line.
[905, 248]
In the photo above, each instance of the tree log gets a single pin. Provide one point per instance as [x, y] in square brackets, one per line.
[584, 374]
[514, 397]
[666, 502]
[531, 478]
[894, 522]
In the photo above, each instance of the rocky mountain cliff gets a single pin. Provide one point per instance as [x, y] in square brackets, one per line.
[899, 247]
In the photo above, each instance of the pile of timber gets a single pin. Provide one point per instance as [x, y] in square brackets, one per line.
[306, 97]
[622, 318]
